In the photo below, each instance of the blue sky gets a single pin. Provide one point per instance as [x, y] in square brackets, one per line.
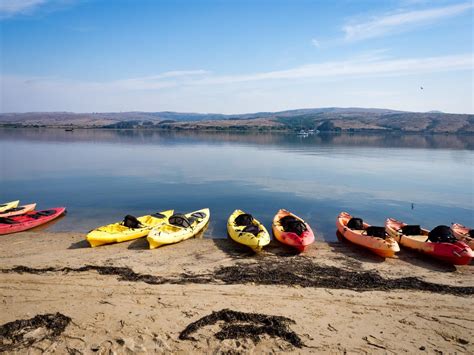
[235, 56]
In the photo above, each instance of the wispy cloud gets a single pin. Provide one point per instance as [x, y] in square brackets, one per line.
[401, 21]
[12, 8]
[311, 85]
[315, 43]
[9, 8]
[372, 64]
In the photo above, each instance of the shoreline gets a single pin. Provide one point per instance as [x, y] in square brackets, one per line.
[243, 131]
[125, 297]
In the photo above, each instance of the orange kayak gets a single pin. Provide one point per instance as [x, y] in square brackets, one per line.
[291, 230]
[453, 251]
[364, 235]
[18, 210]
[464, 234]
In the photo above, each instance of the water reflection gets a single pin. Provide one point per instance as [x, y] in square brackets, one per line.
[102, 175]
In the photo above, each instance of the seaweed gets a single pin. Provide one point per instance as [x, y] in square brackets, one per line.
[245, 325]
[301, 272]
[12, 334]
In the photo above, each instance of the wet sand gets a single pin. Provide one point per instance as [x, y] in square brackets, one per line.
[335, 297]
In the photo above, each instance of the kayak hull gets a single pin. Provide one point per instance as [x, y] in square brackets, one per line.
[299, 242]
[462, 233]
[255, 242]
[8, 205]
[30, 220]
[386, 248]
[16, 211]
[118, 233]
[458, 253]
[170, 234]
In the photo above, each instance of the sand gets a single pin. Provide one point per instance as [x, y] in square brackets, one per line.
[158, 293]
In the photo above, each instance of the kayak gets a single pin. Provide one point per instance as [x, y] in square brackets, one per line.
[8, 205]
[463, 234]
[130, 228]
[246, 230]
[291, 230]
[29, 220]
[15, 211]
[416, 238]
[362, 235]
[179, 227]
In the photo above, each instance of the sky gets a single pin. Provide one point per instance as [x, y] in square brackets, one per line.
[230, 56]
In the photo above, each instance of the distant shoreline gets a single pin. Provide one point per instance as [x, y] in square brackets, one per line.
[327, 120]
[237, 130]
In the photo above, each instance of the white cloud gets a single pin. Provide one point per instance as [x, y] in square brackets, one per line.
[10, 8]
[401, 22]
[311, 85]
[315, 43]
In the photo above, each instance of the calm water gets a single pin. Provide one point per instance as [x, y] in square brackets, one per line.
[102, 175]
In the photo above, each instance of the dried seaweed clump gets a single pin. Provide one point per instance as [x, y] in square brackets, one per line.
[25, 332]
[306, 273]
[245, 325]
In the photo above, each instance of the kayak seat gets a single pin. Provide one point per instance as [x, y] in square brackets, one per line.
[158, 215]
[131, 222]
[355, 223]
[411, 230]
[244, 219]
[6, 220]
[198, 215]
[375, 231]
[46, 213]
[179, 220]
[293, 225]
[252, 229]
[441, 234]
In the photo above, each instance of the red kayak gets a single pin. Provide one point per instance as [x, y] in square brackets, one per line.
[291, 230]
[29, 220]
[414, 237]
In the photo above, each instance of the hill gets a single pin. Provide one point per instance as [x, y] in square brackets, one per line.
[323, 119]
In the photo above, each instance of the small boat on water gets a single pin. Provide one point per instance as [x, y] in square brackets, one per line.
[302, 133]
[69, 129]
[370, 237]
[438, 243]
[292, 230]
[245, 229]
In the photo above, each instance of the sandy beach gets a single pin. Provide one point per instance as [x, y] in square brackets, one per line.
[124, 298]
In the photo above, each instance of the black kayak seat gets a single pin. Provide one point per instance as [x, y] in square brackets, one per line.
[441, 234]
[252, 229]
[132, 222]
[244, 219]
[376, 231]
[6, 220]
[293, 225]
[40, 214]
[411, 229]
[180, 220]
[355, 223]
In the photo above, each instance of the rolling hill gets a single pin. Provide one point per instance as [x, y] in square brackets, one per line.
[323, 119]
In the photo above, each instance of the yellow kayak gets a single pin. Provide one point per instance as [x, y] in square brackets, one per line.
[9, 205]
[246, 230]
[130, 228]
[178, 228]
